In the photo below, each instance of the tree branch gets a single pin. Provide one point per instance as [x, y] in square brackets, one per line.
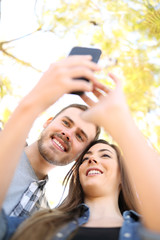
[15, 58]
[5, 42]
[19, 60]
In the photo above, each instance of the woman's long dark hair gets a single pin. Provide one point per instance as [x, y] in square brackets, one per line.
[45, 223]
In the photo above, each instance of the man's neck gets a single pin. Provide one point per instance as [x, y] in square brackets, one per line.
[40, 166]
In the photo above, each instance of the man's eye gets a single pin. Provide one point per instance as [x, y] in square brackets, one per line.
[79, 137]
[106, 156]
[66, 123]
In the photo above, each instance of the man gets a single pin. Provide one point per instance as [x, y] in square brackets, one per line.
[61, 142]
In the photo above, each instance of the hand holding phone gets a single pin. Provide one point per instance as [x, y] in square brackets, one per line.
[94, 52]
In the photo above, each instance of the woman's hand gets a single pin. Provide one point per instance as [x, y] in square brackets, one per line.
[110, 108]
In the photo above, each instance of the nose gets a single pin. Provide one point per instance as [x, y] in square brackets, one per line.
[66, 136]
[92, 160]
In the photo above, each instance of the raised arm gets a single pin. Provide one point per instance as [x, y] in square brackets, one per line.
[56, 81]
[141, 160]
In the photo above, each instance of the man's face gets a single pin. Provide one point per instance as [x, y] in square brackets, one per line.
[65, 137]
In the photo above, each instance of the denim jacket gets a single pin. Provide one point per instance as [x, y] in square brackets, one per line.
[131, 229]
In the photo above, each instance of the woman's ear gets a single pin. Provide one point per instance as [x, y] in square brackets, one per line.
[48, 122]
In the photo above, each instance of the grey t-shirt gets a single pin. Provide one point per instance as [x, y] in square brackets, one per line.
[23, 176]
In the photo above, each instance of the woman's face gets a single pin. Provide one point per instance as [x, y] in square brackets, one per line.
[99, 172]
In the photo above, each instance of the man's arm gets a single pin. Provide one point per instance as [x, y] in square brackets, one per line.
[56, 81]
[142, 161]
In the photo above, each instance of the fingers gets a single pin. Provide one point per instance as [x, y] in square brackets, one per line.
[80, 85]
[80, 60]
[115, 79]
[98, 85]
[101, 89]
[87, 100]
[99, 93]
[78, 72]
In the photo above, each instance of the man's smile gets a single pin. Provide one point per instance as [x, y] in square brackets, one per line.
[60, 144]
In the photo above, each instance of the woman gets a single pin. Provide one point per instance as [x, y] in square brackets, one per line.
[98, 180]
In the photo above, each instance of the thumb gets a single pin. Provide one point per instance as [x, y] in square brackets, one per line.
[94, 115]
[89, 116]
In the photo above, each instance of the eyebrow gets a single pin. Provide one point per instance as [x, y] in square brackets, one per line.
[72, 122]
[101, 150]
[69, 119]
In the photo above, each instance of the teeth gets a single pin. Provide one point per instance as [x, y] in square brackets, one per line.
[59, 144]
[94, 172]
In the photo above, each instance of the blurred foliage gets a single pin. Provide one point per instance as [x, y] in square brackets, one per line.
[5, 87]
[6, 115]
[125, 30]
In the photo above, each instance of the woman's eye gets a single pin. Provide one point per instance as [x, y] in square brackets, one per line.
[84, 159]
[106, 156]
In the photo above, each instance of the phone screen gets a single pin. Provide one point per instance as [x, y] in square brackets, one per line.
[94, 52]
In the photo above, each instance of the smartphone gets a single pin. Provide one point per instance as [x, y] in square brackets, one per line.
[94, 52]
